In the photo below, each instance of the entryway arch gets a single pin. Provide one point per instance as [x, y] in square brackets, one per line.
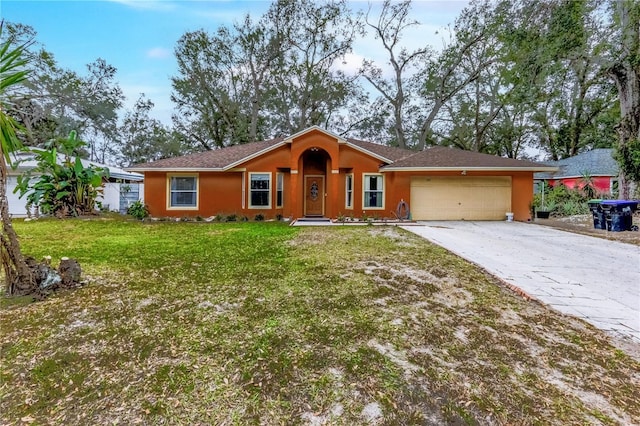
[316, 164]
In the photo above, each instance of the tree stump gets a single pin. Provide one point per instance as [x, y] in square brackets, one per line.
[45, 280]
[70, 272]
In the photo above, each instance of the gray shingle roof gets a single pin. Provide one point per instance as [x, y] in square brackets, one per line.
[216, 159]
[389, 152]
[439, 157]
[597, 162]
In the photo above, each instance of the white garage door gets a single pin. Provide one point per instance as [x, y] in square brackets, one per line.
[460, 198]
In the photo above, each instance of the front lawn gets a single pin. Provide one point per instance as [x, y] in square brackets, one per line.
[236, 323]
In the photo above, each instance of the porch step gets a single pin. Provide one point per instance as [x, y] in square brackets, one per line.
[313, 219]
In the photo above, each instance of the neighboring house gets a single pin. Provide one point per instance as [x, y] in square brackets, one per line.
[120, 189]
[316, 173]
[598, 166]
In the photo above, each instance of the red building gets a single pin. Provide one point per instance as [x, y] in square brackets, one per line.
[596, 167]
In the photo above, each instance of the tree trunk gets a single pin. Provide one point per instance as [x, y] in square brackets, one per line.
[18, 277]
[626, 74]
[426, 131]
[627, 80]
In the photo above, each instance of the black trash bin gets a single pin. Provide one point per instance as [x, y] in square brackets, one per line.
[619, 214]
[599, 219]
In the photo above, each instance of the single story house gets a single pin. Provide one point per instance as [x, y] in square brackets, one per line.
[120, 190]
[315, 173]
[598, 165]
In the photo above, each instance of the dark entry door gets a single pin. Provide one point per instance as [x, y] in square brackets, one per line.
[314, 195]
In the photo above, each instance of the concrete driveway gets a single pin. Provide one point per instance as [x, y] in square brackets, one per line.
[588, 277]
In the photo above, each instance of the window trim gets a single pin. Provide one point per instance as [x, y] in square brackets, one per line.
[364, 191]
[249, 192]
[348, 177]
[170, 176]
[280, 189]
[244, 191]
[614, 186]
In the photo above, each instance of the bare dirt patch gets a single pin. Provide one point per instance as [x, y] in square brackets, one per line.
[583, 224]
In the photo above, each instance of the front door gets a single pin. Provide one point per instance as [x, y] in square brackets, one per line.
[313, 195]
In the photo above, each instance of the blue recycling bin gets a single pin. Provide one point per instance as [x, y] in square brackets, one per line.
[619, 214]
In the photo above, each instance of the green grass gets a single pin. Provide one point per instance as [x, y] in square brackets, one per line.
[236, 323]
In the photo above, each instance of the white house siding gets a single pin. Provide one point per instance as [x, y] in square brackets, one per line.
[17, 205]
[110, 198]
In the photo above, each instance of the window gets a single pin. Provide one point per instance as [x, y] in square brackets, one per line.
[279, 189]
[348, 191]
[183, 192]
[129, 193]
[373, 191]
[260, 190]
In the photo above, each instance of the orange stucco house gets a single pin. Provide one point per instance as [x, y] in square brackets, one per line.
[316, 173]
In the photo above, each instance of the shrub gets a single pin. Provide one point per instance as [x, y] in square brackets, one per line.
[259, 217]
[572, 207]
[60, 184]
[565, 201]
[232, 217]
[138, 209]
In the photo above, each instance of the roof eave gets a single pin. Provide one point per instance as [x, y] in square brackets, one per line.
[122, 176]
[174, 169]
[461, 168]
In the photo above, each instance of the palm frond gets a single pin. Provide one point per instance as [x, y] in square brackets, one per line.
[12, 73]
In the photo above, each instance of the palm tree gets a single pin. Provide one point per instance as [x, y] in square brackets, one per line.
[18, 276]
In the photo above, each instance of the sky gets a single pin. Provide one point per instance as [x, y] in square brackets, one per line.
[138, 37]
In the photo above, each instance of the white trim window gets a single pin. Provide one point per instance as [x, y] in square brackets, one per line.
[279, 190]
[348, 191]
[373, 194]
[183, 191]
[259, 190]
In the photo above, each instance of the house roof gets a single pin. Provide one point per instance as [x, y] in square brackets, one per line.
[26, 161]
[597, 162]
[435, 158]
[391, 153]
[444, 158]
[216, 159]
